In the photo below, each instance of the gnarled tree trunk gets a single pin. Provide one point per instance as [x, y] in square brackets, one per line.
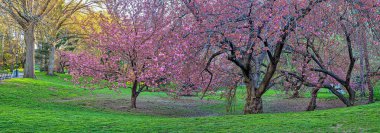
[29, 41]
[253, 101]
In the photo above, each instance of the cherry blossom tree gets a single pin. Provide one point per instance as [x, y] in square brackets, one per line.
[329, 47]
[202, 45]
[248, 34]
[369, 39]
[134, 48]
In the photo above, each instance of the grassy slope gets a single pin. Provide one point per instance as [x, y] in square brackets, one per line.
[26, 105]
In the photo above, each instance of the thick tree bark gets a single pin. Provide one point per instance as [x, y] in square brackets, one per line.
[351, 94]
[134, 94]
[253, 100]
[257, 105]
[29, 41]
[249, 89]
[313, 100]
[254, 103]
[51, 61]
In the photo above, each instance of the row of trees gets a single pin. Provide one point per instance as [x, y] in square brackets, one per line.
[201, 45]
[42, 22]
[11, 50]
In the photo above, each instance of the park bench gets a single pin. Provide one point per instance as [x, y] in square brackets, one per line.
[4, 76]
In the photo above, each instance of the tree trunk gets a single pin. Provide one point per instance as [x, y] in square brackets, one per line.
[29, 41]
[296, 93]
[134, 94]
[370, 90]
[286, 90]
[51, 61]
[368, 68]
[61, 68]
[249, 89]
[340, 96]
[257, 105]
[350, 91]
[253, 105]
[253, 101]
[362, 79]
[231, 97]
[12, 62]
[313, 100]
[43, 63]
[351, 94]
[2, 53]
[133, 101]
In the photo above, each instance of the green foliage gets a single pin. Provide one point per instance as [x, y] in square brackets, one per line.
[377, 92]
[28, 105]
[42, 56]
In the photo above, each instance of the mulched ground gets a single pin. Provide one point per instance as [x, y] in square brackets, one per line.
[161, 106]
[193, 107]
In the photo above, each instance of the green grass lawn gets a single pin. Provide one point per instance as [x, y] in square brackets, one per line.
[28, 105]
